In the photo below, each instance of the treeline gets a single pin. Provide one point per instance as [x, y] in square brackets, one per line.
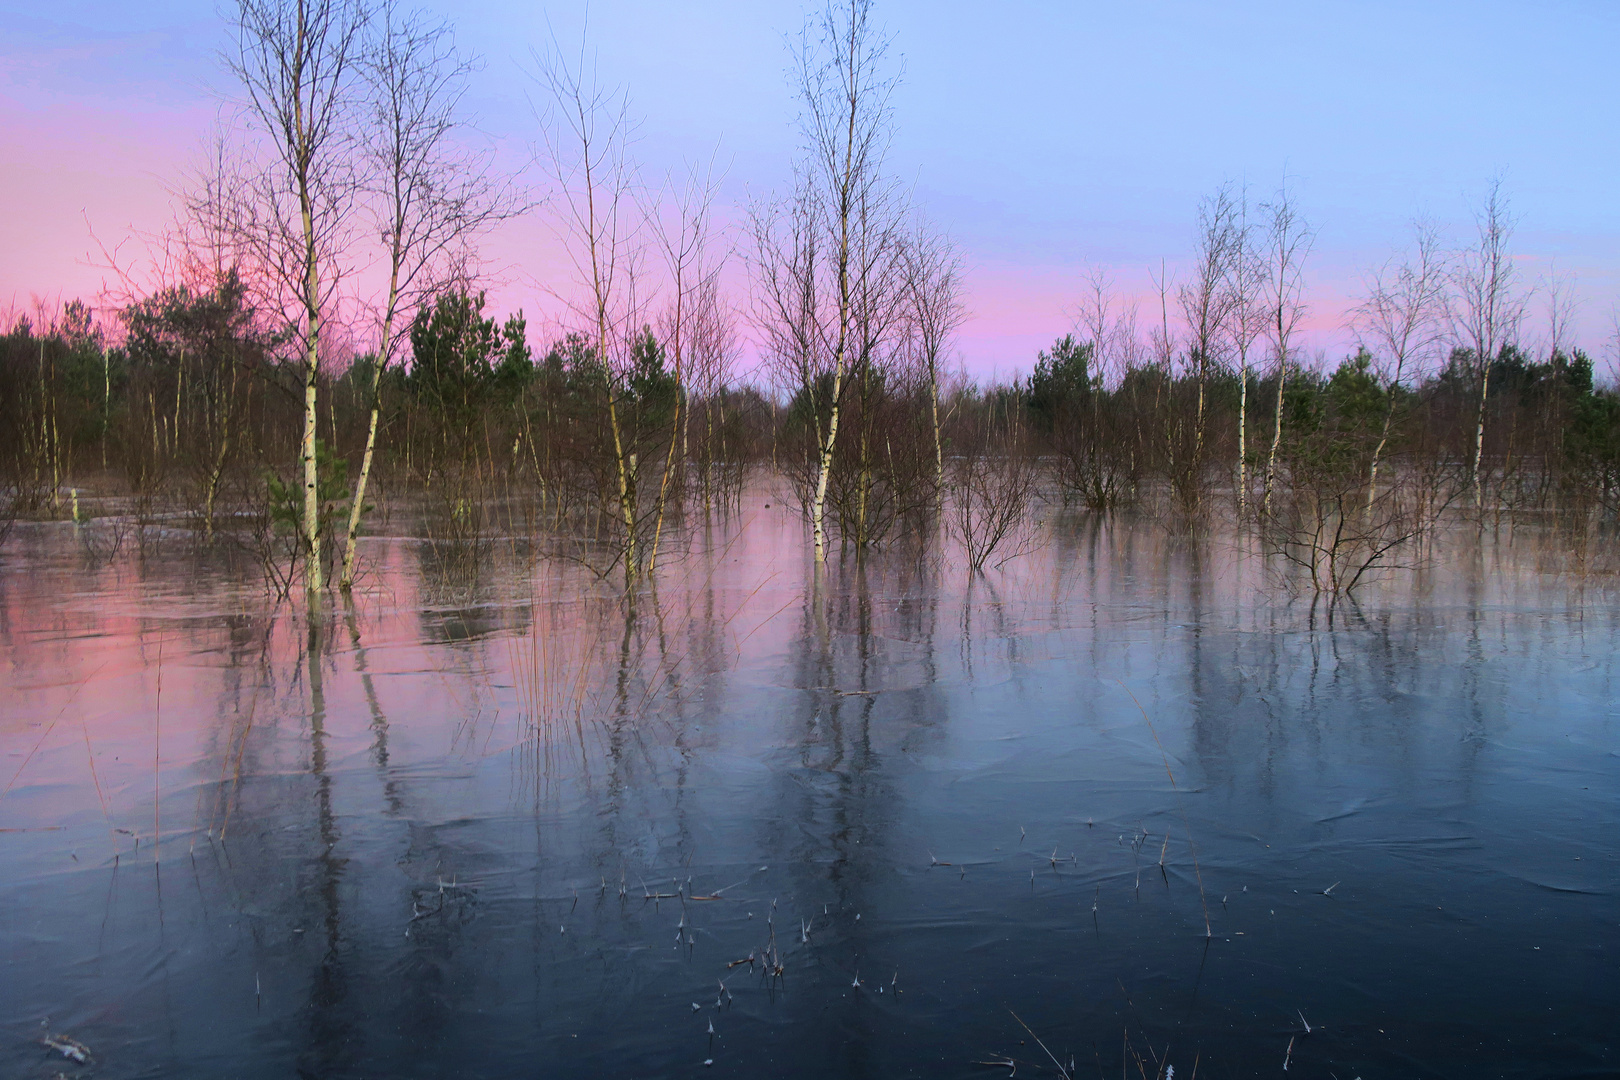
[1552, 435]
[242, 391]
[194, 415]
[193, 418]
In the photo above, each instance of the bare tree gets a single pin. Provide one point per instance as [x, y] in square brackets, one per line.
[1093, 314]
[1109, 325]
[429, 197]
[1206, 305]
[1401, 322]
[1161, 339]
[933, 276]
[298, 62]
[1288, 242]
[693, 275]
[1245, 277]
[1560, 302]
[878, 367]
[1099, 461]
[1561, 305]
[587, 130]
[1489, 309]
[991, 488]
[789, 293]
[206, 262]
[711, 349]
[206, 241]
[840, 224]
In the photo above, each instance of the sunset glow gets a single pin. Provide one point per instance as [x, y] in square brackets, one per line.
[815, 540]
[1047, 140]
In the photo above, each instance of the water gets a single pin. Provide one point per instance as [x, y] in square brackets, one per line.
[422, 841]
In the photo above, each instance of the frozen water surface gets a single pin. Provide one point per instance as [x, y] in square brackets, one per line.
[489, 821]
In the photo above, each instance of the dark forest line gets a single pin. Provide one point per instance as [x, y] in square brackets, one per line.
[193, 419]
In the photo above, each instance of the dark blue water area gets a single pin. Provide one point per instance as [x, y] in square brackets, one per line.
[1130, 804]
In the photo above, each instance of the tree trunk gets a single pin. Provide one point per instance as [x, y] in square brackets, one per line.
[939, 448]
[1378, 451]
[678, 426]
[1479, 436]
[1243, 437]
[1276, 435]
[313, 578]
[346, 580]
[214, 478]
[627, 486]
[818, 504]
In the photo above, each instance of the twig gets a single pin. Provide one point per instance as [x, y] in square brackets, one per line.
[1061, 1070]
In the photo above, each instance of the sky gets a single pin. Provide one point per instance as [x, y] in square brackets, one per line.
[1046, 138]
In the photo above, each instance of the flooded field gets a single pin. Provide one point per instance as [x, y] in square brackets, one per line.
[1124, 805]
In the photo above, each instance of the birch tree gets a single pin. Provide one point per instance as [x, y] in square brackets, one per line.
[1288, 242]
[710, 337]
[692, 276]
[1489, 309]
[1401, 322]
[298, 62]
[820, 254]
[1206, 305]
[1560, 305]
[933, 281]
[429, 197]
[587, 131]
[1102, 463]
[1245, 276]
[877, 363]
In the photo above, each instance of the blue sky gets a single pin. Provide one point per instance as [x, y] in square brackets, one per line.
[1045, 137]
